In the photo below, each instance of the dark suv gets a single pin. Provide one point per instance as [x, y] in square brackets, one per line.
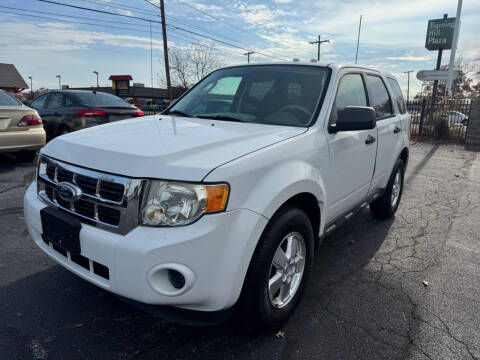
[69, 110]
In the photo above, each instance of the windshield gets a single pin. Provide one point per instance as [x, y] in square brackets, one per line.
[264, 94]
[7, 100]
[99, 99]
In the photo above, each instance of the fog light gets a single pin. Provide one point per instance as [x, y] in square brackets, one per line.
[176, 279]
[171, 279]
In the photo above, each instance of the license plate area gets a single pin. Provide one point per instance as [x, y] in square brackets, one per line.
[60, 229]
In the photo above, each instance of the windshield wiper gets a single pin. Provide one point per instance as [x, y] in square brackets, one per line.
[220, 117]
[179, 113]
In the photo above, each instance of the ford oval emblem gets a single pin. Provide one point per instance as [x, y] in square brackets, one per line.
[68, 192]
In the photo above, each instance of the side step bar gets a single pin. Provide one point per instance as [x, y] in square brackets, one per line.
[342, 219]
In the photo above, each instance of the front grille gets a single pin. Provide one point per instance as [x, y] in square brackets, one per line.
[106, 189]
[108, 200]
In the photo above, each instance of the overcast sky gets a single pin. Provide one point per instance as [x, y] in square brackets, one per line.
[392, 38]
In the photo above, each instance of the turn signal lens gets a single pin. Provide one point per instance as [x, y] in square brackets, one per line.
[217, 196]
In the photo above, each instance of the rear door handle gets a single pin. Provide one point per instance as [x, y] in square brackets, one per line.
[369, 140]
[396, 130]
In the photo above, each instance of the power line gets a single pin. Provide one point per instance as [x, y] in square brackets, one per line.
[70, 16]
[125, 7]
[227, 23]
[116, 6]
[212, 17]
[99, 11]
[175, 34]
[154, 21]
[69, 21]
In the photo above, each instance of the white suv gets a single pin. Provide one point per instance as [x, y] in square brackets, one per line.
[217, 203]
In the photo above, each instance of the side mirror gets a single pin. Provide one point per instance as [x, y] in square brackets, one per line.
[355, 118]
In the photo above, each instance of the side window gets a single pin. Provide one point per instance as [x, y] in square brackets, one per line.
[380, 100]
[397, 93]
[55, 101]
[350, 92]
[69, 102]
[38, 103]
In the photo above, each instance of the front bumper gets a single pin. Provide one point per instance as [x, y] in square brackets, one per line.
[215, 253]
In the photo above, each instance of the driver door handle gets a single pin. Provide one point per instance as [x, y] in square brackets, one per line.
[369, 140]
[396, 130]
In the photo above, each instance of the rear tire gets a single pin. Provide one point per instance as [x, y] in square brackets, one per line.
[27, 155]
[386, 205]
[273, 289]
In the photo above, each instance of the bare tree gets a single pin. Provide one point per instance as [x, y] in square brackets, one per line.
[190, 64]
[180, 66]
[203, 61]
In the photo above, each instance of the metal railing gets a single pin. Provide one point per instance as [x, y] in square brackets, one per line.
[444, 119]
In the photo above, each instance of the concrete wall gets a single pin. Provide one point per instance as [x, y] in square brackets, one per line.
[473, 129]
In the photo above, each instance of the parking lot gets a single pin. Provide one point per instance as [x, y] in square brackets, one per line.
[407, 288]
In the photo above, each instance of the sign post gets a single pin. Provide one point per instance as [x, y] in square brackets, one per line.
[439, 37]
[451, 63]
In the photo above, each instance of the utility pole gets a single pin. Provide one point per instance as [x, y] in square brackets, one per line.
[451, 63]
[319, 42]
[96, 73]
[59, 81]
[31, 84]
[358, 38]
[408, 82]
[248, 55]
[165, 49]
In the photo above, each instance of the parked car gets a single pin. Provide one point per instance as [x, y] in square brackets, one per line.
[457, 118]
[21, 128]
[69, 110]
[217, 204]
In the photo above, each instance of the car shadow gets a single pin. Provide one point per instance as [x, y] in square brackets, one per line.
[9, 162]
[348, 311]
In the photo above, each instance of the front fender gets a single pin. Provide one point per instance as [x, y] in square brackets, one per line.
[264, 180]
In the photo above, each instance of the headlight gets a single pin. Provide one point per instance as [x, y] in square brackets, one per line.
[168, 203]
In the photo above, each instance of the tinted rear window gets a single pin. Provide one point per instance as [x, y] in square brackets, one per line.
[7, 100]
[397, 93]
[380, 100]
[100, 99]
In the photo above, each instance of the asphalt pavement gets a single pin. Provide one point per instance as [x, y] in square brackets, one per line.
[407, 288]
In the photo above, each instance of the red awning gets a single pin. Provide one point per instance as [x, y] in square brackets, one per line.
[120, 77]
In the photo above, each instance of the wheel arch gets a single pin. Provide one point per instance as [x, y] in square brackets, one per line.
[404, 156]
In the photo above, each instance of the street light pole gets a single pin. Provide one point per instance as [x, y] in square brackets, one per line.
[59, 82]
[408, 82]
[96, 73]
[318, 42]
[31, 84]
[358, 38]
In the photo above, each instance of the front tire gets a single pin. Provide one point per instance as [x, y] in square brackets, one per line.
[386, 205]
[279, 270]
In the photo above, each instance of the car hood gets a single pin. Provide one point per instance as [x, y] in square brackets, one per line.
[165, 147]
